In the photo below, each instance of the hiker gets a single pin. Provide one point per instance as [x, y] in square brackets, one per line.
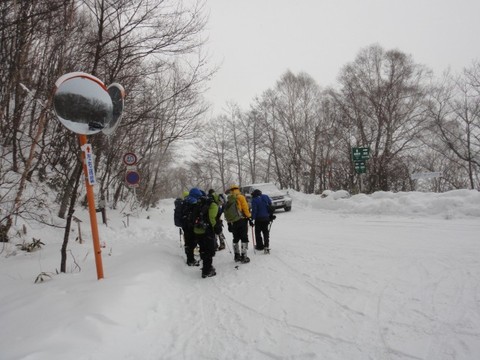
[262, 213]
[203, 221]
[219, 237]
[237, 214]
[181, 213]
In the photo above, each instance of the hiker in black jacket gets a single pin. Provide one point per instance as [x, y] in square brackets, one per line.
[203, 221]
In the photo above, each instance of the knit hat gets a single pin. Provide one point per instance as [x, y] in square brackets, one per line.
[256, 193]
[195, 193]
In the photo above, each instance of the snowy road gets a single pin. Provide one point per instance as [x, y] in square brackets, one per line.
[336, 285]
[350, 288]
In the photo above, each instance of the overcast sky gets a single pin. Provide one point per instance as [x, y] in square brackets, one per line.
[256, 41]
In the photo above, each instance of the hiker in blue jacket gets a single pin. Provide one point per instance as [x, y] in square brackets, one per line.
[262, 213]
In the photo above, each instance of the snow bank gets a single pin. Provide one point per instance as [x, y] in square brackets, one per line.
[451, 204]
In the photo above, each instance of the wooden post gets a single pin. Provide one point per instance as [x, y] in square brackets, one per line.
[104, 216]
[102, 209]
[78, 221]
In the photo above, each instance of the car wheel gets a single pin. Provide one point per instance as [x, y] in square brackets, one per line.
[288, 208]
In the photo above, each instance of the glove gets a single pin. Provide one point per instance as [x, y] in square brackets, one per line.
[250, 221]
[272, 217]
[218, 227]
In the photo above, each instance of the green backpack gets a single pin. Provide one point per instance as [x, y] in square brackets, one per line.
[231, 212]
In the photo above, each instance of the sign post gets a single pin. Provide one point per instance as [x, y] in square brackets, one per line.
[91, 208]
[88, 162]
[360, 155]
[84, 105]
[132, 177]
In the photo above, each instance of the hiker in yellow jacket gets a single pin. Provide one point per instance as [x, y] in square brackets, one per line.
[237, 214]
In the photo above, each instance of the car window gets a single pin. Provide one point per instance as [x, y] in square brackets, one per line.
[267, 187]
[247, 190]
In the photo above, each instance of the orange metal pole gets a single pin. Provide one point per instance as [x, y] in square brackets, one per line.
[93, 215]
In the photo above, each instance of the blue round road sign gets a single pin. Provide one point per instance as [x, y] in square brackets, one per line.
[132, 178]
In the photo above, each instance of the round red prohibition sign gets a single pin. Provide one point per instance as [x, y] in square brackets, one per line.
[130, 159]
[132, 178]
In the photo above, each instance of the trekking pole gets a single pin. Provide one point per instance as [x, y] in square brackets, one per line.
[253, 240]
[273, 217]
[228, 246]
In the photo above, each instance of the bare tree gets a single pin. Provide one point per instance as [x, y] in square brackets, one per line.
[153, 49]
[215, 146]
[455, 114]
[36, 40]
[382, 97]
[267, 117]
[248, 126]
[293, 122]
[237, 148]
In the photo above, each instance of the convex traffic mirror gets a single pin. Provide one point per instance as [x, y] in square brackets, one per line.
[84, 105]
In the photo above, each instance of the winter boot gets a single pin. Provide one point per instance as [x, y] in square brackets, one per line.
[266, 249]
[193, 262]
[209, 273]
[222, 242]
[236, 250]
[189, 254]
[244, 258]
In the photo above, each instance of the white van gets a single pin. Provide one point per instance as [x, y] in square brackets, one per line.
[280, 199]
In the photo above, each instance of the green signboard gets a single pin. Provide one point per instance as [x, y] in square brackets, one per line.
[360, 167]
[360, 154]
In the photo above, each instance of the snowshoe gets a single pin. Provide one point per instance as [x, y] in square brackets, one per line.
[221, 247]
[237, 257]
[244, 259]
[266, 250]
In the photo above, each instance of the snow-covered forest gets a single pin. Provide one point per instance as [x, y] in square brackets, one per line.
[390, 272]
[299, 133]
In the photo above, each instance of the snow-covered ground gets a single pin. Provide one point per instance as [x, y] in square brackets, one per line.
[382, 276]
